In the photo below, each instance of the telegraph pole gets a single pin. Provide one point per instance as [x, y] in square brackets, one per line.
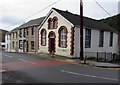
[81, 30]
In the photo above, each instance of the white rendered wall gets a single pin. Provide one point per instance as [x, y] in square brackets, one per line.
[95, 42]
[61, 22]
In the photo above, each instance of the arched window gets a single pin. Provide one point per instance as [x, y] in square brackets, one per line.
[50, 24]
[43, 37]
[63, 37]
[55, 22]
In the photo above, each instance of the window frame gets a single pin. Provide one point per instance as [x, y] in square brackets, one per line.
[87, 38]
[16, 35]
[24, 33]
[64, 41]
[50, 23]
[43, 31]
[13, 35]
[27, 31]
[32, 31]
[101, 39]
[55, 23]
[111, 39]
[20, 33]
[20, 44]
[32, 45]
[13, 44]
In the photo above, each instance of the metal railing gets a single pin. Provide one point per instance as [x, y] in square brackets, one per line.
[104, 56]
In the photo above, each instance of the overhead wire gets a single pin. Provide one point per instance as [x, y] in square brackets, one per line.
[103, 8]
[33, 14]
[106, 11]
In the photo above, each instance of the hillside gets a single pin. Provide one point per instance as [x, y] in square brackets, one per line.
[114, 21]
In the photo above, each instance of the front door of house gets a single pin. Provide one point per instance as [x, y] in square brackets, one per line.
[51, 42]
[27, 46]
[24, 45]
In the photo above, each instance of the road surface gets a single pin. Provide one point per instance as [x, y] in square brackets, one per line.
[26, 68]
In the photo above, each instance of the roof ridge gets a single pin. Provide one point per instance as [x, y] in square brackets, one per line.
[36, 19]
[88, 22]
[74, 14]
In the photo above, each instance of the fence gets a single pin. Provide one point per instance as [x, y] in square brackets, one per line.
[102, 56]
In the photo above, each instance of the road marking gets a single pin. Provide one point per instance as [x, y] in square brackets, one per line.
[3, 70]
[10, 56]
[27, 61]
[88, 75]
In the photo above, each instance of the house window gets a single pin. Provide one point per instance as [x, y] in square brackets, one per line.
[101, 39]
[16, 35]
[27, 31]
[111, 39]
[13, 44]
[32, 45]
[55, 21]
[43, 37]
[20, 33]
[32, 31]
[87, 38]
[24, 33]
[16, 44]
[7, 46]
[20, 44]
[7, 37]
[50, 24]
[63, 37]
[13, 35]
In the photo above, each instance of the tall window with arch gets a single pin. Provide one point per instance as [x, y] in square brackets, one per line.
[63, 37]
[43, 37]
[55, 21]
[50, 24]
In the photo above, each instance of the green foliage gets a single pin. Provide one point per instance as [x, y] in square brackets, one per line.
[114, 21]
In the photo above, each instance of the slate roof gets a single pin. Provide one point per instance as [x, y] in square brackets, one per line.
[14, 30]
[8, 33]
[87, 22]
[32, 22]
[4, 30]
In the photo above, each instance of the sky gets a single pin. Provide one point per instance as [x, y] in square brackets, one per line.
[13, 13]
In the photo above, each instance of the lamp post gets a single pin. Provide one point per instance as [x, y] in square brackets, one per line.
[81, 30]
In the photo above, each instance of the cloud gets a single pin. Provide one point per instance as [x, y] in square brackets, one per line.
[16, 10]
[9, 20]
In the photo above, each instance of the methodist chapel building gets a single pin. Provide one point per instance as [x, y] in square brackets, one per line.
[60, 32]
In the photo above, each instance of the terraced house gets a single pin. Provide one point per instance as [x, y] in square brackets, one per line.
[28, 36]
[2, 38]
[8, 42]
[14, 40]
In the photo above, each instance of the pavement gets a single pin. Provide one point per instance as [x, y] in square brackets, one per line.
[88, 62]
